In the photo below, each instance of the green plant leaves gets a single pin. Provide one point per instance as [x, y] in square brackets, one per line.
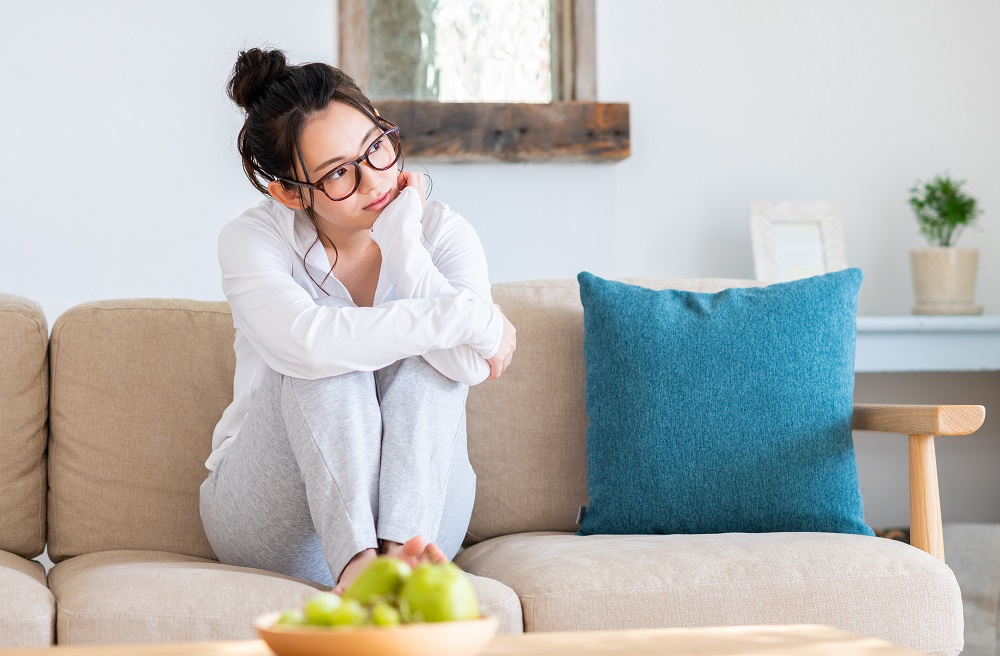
[942, 209]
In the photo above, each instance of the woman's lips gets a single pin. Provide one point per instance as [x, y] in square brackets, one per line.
[380, 203]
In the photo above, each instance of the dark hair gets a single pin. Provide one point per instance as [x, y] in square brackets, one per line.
[278, 98]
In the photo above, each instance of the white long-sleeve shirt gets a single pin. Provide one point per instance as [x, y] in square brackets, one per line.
[432, 299]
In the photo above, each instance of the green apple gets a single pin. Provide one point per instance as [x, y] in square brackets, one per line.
[381, 579]
[383, 614]
[349, 613]
[319, 610]
[438, 593]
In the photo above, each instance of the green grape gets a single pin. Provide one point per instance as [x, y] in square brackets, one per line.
[383, 614]
[319, 610]
[349, 613]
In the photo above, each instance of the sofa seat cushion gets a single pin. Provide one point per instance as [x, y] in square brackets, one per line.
[152, 596]
[149, 597]
[866, 585]
[27, 608]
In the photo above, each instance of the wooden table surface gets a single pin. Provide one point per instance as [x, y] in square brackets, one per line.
[722, 641]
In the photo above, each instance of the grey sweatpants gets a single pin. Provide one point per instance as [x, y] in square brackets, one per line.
[323, 469]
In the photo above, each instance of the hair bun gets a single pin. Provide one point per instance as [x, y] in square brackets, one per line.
[254, 71]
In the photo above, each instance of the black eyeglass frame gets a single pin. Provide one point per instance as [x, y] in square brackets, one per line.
[392, 133]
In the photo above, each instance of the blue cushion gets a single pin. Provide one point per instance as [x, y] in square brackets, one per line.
[717, 413]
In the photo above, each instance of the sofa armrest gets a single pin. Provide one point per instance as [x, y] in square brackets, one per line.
[919, 419]
[921, 423]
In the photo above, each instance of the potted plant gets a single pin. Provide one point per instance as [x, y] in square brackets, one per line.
[944, 276]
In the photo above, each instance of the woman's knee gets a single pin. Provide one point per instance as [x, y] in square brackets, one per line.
[417, 371]
[352, 389]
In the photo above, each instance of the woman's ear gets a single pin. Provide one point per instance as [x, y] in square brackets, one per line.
[290, 198]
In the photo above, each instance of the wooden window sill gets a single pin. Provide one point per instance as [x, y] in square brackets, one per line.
[511, 132]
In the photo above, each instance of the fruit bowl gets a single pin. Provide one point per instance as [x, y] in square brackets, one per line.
[465, 638]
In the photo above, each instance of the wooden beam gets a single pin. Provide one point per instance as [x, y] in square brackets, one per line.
[511, 132]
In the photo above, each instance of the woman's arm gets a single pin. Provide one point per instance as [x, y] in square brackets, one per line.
[455, 261]
[399, 233]
[299, 338]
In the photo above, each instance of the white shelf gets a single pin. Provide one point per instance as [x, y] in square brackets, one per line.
[928, 343]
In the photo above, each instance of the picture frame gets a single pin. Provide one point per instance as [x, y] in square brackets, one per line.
[793, 240]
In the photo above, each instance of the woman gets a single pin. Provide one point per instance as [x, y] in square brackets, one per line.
[362, 315]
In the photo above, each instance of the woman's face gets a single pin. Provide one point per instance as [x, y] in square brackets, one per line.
[332, 138]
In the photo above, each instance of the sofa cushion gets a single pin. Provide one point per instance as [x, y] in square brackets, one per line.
[24, 398]
[137, 388]
[866, 585]
[527, 429]
[726, 412]
[27, 608]
[149, 597]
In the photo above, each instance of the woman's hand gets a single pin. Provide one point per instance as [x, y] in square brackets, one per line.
[508, 342]
[415, 180]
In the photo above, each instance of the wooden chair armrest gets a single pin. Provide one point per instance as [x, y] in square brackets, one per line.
[922, 423]
[919, 419]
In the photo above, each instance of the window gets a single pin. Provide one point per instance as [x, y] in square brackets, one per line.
[469, 80]
[461, 50]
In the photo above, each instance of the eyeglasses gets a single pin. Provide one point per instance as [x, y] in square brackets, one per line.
[341, 183]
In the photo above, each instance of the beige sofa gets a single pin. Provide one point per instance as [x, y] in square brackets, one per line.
[105, 429]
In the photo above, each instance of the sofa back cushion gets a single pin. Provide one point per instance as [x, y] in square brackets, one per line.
[137, 387]
[24, 401]
[527, 429]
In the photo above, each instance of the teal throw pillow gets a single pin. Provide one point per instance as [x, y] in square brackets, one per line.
[718, 413]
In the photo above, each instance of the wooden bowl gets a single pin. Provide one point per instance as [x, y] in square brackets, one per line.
[466, 638]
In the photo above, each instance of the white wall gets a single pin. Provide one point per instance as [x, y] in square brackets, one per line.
[119, 163]
[733, 100]
[119, 160]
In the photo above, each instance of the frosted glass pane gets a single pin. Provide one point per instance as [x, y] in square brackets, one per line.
[460, 50]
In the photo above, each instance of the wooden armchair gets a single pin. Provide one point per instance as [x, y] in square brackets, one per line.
[922, 423]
